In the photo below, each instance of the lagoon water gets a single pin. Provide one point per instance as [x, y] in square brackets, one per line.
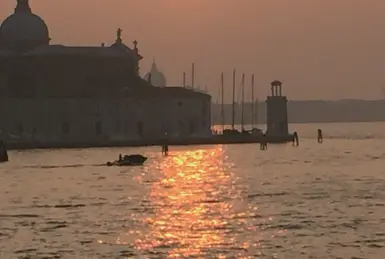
[312, 201]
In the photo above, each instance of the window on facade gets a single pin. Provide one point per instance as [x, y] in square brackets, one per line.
[128, 127]
[181, 127]
[192, 127]
[118, 126]
[140, 128]
[203, 108]
[19, 129]
[21, 86]
[98, 128]
[34, 132]
[118, 108]
[66, 128]
[93, 81]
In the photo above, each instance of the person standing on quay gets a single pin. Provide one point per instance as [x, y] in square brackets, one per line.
[263, 142]
[319, 136]
[295, 139]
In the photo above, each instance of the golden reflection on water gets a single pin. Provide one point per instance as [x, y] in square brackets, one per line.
[189, 202]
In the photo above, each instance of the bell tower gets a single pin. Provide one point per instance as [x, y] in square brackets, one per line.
[277, 119]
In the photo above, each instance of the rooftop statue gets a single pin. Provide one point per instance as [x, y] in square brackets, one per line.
[119, 33]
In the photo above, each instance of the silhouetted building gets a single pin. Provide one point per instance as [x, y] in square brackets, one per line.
[56, 93]
[155, 77]
[277, 120]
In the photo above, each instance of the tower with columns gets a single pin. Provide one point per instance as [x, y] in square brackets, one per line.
[277, 119]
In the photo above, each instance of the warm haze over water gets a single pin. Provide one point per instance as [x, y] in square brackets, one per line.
[222, 201]
[319, 49]
[216, 201]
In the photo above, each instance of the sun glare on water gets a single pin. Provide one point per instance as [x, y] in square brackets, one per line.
[195, 206]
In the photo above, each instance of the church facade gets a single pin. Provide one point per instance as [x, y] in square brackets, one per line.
[70, 94]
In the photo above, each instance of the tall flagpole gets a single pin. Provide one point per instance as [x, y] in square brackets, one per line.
[222, 102]
[252, 102]
[243, 102]
[233, 107]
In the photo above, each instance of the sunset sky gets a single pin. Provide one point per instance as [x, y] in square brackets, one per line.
[320, 49]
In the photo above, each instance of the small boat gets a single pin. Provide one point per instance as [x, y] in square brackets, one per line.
[129, 160]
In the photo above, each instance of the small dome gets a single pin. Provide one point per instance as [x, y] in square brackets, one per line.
[23, 30]
[157, 77]
[276, 82]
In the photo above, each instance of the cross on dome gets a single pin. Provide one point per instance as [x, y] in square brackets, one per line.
[153, 66]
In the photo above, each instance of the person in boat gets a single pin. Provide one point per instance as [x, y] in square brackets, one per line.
[120, 158]
[295, 139]
[319, 136]
[129, 160]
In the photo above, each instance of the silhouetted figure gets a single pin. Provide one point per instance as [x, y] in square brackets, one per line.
[320, 137]
[295, 139]
[120, 158]
[165, 145]
[263, 142]
[3, 152]
[165, 149]
[119, 33]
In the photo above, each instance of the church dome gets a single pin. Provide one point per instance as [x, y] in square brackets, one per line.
[155, 77]
[23, 30]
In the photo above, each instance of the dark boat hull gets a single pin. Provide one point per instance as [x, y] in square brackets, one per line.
[117, 163]
[132, 160]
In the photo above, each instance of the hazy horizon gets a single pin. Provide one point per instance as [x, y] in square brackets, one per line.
[320, 49]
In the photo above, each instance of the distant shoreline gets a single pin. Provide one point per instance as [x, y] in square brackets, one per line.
[336, 122]
[314, 111]
[311, 122]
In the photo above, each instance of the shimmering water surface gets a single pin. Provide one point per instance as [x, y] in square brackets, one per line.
[235, 201]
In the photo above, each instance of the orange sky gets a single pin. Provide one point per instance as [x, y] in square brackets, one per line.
[320, 49]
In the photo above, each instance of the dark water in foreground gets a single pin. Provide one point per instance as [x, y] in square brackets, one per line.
[314, 201]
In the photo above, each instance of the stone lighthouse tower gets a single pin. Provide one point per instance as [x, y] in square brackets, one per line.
[277, 121]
